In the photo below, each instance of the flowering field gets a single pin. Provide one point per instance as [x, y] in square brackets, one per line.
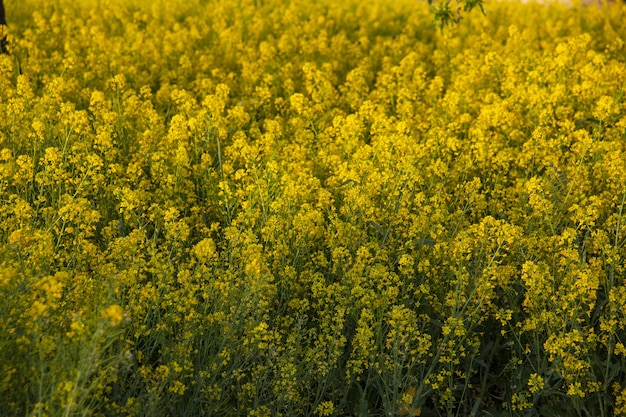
[312, 208]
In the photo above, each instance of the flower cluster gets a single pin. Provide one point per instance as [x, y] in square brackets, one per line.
[308, 207]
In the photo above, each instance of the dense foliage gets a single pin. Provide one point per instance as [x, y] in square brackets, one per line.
[312, 207]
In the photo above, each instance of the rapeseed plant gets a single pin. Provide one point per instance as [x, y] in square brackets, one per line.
[312, 208]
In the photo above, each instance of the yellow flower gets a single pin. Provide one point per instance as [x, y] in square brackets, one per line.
[113, 313]
[325, 408]
[205, 250]
[406, 401]
[535, 383]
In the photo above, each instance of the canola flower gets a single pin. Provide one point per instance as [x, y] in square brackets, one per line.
[312, 208]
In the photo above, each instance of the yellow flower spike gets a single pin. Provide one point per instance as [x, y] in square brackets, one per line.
[205, 250]
[407, 399]
[535, 383]
[325, 408]
[113, 313]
